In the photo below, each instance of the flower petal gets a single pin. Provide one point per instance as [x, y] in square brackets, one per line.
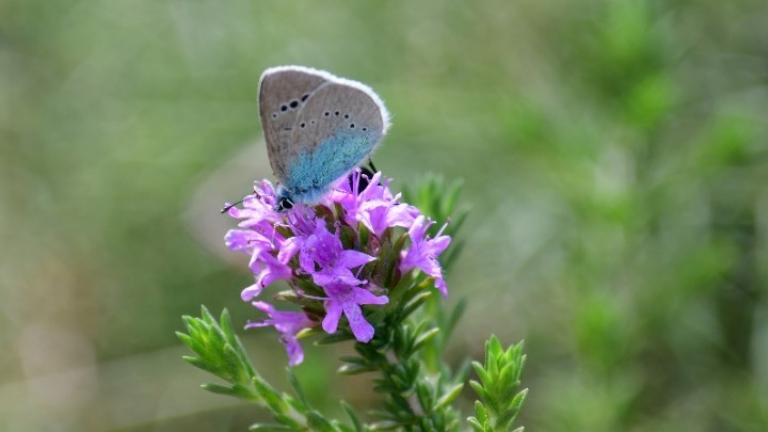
[294, 350]
[441, 286]
[352, 258]
[288, 249]
[361, 328]
[375, 219]
[306, 262]
[332, 314]
[402, 215]
[256, 324]
[264, 307]
[431, 267]
[438, 244]
[418, 229]
[239, 240]
[252, 291]
[363, 296]
[340, 276]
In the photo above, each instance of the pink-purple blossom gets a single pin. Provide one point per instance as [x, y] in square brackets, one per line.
[270, 268]
[325, 259]
[374, 206]
[329, 264]
[346, 298]
[423, 252]
[288, 324]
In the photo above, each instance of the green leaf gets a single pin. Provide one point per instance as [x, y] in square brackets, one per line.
[456, 313]
[289, 421]
[297, 387]
[318, 422]
[352, 416]
[269, 427]
[200, 364]
[424, 395]
[517, 402]
[218, 389]
[449, 396]
[481, 412]
[478, 388]
[425, 338]
[187, 340]
[354, 369]
[481, 373]
[476, 426]
[270, 395]
[308, 332]
[414, 303]
[245, 392]
[354, 360]
[337, 337]
[206, 315]
[384, 425]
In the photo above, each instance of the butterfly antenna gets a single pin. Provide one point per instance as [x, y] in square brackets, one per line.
[370, 164]
[226, 208]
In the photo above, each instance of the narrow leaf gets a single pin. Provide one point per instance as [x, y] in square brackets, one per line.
[352, 416]
[449, 396]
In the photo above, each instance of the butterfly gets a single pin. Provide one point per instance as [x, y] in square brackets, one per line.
[318, 128]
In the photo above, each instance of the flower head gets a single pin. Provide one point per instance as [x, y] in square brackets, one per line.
[322, 252]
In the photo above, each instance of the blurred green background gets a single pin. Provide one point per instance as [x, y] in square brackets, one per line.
[614, 154]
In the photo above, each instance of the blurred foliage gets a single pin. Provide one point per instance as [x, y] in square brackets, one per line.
[614, 154]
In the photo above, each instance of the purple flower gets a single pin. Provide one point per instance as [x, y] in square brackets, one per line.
[351, 198]
[347, 299]
[304, 246]
[288, 324]
[378, 216]
[324, 257]
[258, 235]
[271, 268]
[423, 252]
[258, 207]
[374, 206]
[246, 240]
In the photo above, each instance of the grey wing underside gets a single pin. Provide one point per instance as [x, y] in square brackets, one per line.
[283, 92]
[339, 126]
[337, 108]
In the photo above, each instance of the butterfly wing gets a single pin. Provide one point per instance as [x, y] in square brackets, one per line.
[339, 126]
[283, 91]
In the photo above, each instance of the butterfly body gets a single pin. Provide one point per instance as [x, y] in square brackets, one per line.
[318, 127]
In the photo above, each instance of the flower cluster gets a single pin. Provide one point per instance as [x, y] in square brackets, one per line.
[343, 253]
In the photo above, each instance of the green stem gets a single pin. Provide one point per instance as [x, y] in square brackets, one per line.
[412, 398]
